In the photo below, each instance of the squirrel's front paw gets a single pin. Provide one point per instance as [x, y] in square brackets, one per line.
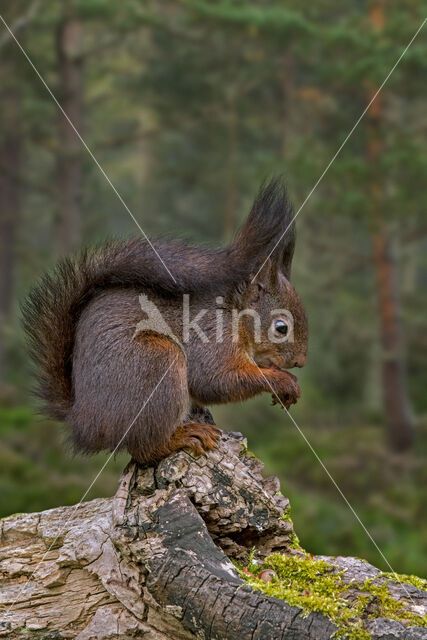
[288, 392]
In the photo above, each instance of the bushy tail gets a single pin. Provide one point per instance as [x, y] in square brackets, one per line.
[49, 316]
[52, 308]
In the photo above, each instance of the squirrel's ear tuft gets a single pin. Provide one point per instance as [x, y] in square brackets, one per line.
[283, 243]
[285, 251]
[268, 230]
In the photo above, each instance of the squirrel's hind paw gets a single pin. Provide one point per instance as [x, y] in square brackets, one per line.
[197, 436]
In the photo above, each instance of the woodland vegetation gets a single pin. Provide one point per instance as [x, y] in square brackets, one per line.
[187, 105]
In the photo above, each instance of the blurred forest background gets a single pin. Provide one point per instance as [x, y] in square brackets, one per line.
[187, 105]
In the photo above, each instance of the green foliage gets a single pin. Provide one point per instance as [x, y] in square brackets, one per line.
[276, 19]
[37, 470]
[187, 106]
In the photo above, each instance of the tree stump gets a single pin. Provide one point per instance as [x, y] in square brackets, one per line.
[154, 562]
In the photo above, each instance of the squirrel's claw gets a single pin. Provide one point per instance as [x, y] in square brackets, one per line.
[284, 404]
[275, 400]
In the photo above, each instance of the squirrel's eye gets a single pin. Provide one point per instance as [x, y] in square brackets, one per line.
[281, 327]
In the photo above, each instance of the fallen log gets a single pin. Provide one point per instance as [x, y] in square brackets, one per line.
[158, 561]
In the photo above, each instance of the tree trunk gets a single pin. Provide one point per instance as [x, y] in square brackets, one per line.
[396, 403]
[231, 166]
[400, 428]
[287, 88]
[10, 154]
[69, 157]
[154, 561]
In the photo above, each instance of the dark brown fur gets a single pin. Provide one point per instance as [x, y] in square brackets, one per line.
[104, 378]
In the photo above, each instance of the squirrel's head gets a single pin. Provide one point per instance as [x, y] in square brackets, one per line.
[272, 319]
[273, 322]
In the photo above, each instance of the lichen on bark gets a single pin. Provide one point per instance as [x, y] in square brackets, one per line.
[158, 561]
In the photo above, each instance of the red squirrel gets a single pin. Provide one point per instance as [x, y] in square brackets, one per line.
[120, 382]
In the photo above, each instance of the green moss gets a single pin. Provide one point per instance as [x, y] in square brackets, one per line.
[248, 453]
[251, 560]
[245, 449]
[286, 515]
[315, 585]
[420, 583]
[388, 607]
[294, 540]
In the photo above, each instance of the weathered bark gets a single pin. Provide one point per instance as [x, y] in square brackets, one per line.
[154, 561]
[69, 155]
[400, 427]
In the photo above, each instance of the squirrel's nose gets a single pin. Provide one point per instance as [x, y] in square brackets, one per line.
[300, 360]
